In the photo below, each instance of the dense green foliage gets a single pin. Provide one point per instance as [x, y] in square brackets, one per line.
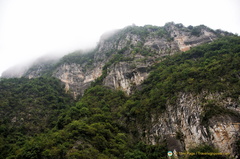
[92, 128]
[38, 120]
[211, 67]
[28, 107]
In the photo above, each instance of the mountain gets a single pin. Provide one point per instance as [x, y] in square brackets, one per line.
[125, 55]
[143, 91]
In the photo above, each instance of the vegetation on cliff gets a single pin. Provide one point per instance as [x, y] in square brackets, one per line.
[39, 120]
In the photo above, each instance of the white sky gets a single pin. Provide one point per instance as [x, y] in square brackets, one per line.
[31, 28]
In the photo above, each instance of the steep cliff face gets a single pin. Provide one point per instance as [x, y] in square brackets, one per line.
[123, 76]
[138, 48]
[190, 99]
[145, 48]
[75, 78]
[187, 38]
[183, 125]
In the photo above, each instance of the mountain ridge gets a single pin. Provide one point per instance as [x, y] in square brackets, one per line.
[134, 98]
[134, 48]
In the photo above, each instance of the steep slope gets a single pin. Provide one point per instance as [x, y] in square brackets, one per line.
[136, 100]
[125, 56]
[188, 104]
[129, 53]
[192, 99]
[28, 107]
[31, 105]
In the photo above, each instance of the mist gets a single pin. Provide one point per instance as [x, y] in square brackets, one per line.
[30, 29]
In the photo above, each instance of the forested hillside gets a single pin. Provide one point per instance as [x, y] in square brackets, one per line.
[40, 120]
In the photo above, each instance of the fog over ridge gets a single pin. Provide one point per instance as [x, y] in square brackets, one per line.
[30, 29]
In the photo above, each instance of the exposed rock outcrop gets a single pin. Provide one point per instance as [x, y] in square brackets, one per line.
[124, 58]
[142, 46]
[182, 124]
[75, 78]
[122, 76]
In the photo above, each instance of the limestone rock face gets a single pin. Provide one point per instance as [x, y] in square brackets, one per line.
[182, 124]
[123, 59]
[224, 131]
[122, 76]
[185, 40]
[129, 54]
[75, 78]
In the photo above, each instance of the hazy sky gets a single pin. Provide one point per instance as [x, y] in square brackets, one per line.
[31, 28]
